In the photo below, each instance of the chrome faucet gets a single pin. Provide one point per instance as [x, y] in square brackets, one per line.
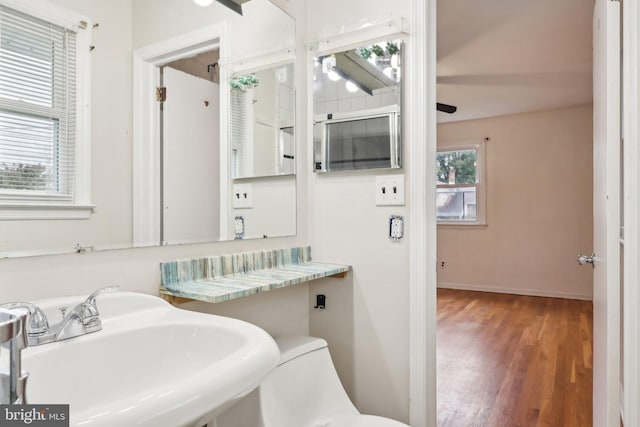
[13, 379]
[82, 319]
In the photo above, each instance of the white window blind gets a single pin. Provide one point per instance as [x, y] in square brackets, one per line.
[238, 129]
[37, 108]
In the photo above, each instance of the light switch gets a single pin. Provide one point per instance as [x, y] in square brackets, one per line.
[242, 196]
[390, 190]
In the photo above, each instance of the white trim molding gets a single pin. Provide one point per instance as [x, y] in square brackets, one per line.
[631, 200]
[515, 291]
[29, 212]
[421, 146]
[356, 34]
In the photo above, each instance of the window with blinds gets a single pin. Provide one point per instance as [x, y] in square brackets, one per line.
[37, 108]
[238, 130]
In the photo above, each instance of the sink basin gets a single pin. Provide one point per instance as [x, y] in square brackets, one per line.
[151, 365]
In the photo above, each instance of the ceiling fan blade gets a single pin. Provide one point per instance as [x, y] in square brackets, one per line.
[446, 108]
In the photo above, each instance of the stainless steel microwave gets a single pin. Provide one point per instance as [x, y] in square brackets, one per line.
[367, 139]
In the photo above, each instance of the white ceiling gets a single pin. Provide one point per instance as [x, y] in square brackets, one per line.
[498, 57]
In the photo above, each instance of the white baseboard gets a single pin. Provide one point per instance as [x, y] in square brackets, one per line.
[515, 291]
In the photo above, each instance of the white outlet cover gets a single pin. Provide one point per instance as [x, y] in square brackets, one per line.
[390, 190]
[242, 196]
[396, 228]
[238, 224]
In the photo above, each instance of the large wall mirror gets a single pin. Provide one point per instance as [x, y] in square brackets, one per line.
[189, 187]
[357, 99]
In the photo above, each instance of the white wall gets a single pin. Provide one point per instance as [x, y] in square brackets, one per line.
[539, 207]
[274, 207]
[366, 322]
[262, 26]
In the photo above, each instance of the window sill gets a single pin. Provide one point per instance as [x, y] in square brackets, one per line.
[462, 225]
[20, 212]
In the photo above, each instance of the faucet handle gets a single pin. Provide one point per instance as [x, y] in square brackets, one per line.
[91, 299]
[38, 323]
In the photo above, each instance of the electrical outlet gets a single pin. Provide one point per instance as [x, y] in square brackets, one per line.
[390, 190]
[238, 225]
[396, 228]
[242, 196]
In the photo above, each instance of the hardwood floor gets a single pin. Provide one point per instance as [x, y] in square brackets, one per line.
[512, 361]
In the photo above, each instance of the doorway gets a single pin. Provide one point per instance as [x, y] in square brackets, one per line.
[147, 147]
[190, 149]
[493, 65]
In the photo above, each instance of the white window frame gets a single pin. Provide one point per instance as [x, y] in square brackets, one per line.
[481, 198]
[28, 207]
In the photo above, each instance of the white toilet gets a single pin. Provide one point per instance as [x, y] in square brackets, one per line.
[303, 391]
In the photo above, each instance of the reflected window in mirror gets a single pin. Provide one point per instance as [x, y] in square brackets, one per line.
[261, 123]
[357, 99]
[43, 69]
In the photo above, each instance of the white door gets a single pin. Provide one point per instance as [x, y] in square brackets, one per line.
[606, 211]
[191, 159]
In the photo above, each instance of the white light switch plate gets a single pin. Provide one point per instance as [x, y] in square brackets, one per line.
[242, 196]
[390, 190]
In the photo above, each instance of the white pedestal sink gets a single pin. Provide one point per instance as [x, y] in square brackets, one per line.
[151, 365]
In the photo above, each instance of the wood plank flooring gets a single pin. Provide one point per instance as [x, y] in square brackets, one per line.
[513, 361]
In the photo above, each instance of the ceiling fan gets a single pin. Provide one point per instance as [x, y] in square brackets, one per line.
[446, 108]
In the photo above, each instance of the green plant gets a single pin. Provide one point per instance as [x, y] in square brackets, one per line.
[364, 52]
[243, 82]
[19, 176]
[461, 163]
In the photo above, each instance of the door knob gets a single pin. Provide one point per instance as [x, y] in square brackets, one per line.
[586, 259]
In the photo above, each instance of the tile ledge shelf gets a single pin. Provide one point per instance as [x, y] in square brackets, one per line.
[227, 277]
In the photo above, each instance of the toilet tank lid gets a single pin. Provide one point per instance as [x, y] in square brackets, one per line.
[295, 346]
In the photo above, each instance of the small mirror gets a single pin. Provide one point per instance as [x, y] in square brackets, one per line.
[261, 126]
[357, 98]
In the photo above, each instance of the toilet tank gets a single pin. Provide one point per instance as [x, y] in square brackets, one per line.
[304, 390]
